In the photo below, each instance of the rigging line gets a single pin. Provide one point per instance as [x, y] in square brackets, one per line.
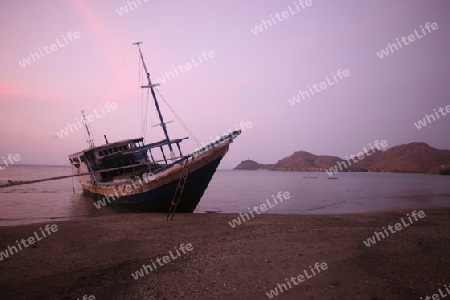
[152, 115]
[146, 111]
[179, 119]
[149, 112]
[138, 96]
[113, 77]
[141, 97]
[143, 115]
[145, 101]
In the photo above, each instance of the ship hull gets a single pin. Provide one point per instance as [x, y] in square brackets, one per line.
[157, 194]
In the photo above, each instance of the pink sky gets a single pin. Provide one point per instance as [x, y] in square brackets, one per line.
[250, 78]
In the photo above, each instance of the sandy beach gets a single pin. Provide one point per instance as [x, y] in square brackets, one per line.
[96, 256]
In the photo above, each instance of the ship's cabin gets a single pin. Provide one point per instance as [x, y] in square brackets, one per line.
[125, 160]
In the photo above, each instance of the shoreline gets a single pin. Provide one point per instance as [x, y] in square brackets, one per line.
[96, 256]
[303, 213]
[163, 216]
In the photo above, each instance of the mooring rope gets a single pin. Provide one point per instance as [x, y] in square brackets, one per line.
[14, 183]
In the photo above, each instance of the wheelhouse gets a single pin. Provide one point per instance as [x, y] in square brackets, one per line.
[125, 160]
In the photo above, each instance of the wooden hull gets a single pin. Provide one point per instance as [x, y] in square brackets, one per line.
[157, 193]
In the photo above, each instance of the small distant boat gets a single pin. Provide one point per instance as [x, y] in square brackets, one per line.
[14, 181]
[126, 172]
[332, 178]
[310, 177]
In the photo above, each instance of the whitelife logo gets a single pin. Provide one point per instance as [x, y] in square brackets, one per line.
[436, 296]
[183, 68]
[165, 260]
[323, 85]
[411, 38]
[300, 278]
[360, 156]
[86, 297]
[423, 123]
[218, 139]
[124, 189]
[371, 241]
[89, 119]
[266, 24]
[11, 158]
[48, 50]
[124, 9]
[31, 240]
[263, 207]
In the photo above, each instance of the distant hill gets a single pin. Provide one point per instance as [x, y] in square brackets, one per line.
[305, 161]
[251, 165]
[409, 158]
[415, 158]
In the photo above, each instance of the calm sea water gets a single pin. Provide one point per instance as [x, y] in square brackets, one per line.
[231, 192]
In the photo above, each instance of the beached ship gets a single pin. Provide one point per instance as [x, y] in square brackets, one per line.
[127, 172]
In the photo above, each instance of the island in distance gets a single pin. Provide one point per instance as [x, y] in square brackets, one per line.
[409, 158]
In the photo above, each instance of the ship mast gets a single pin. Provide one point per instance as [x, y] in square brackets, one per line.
[150, 85]
[89, 139]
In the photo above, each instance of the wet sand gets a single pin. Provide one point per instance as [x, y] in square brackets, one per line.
[97, 256]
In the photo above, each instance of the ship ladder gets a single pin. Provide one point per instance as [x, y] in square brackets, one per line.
[179, 190]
